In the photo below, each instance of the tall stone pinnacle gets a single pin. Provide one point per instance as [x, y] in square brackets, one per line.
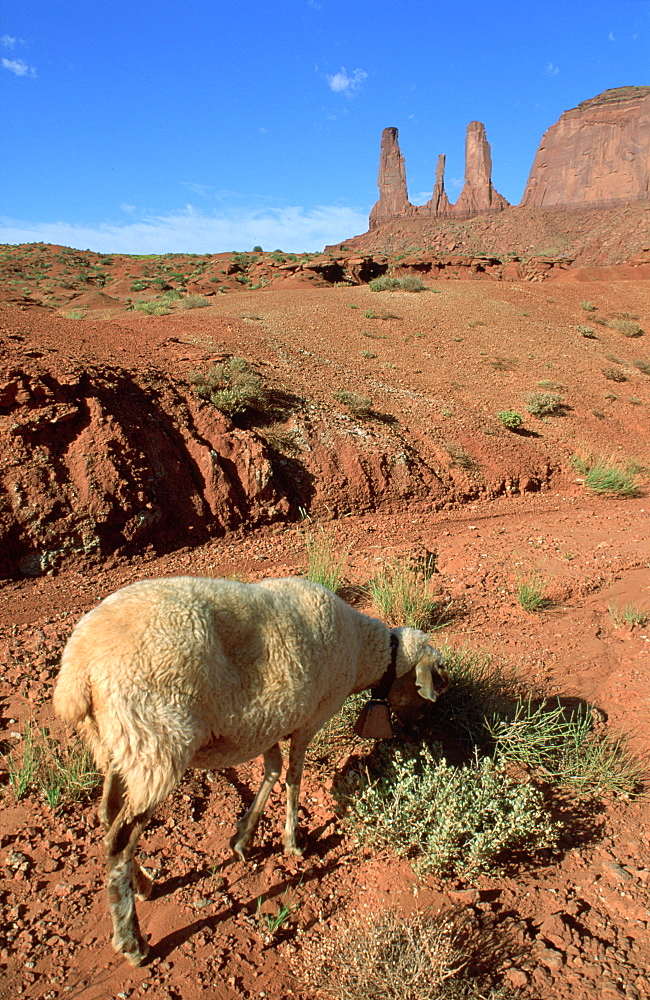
[478, 195]
[439, 204]
[393, 197]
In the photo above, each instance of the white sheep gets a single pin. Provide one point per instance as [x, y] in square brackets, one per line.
[184, 672]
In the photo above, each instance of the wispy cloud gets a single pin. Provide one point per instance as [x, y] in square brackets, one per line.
[552, 69]
[341, 83]
[19, 67]
[292, 228]
[612, 36]
[7, 42]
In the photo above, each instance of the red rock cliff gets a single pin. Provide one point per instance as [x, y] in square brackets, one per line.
[597, 152]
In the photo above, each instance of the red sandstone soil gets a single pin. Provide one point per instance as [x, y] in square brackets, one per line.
[577, 925]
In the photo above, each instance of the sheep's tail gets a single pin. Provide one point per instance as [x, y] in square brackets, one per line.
[72, 695]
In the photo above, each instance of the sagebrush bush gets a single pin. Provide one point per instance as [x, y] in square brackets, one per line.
[325, 564]
[401, 593]
[510, 419]
[628, 328]
[193, 302]
[389, 956]
[358, 404]
[386, 283]
[60, 772]
[545, 404]
[614, 374]
[232, 387]
[605, 478]
[588, 306]
[448, 819]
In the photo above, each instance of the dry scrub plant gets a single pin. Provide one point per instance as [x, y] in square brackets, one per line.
[231, 387]
[401, 591]
[58, 771]
[359, 406]
[386, 283]
[325, 565]
[387, 956]
[521, 754]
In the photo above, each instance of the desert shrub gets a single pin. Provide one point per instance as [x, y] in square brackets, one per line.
[604, 478]
[359, 405]
[401, 592]
[193, 302]
[545, 404]
[530, 593]
[386, 283]
[232, 387]
[614, 374]
[642, 365]
[510, 419]
[387, 956]
[325, 564]
[588, 306]
[587, 331]
[628, 328]
[152, 308]
[629, 615]
[59, 772]
[460, 457]
[412, 283]
[447, 819]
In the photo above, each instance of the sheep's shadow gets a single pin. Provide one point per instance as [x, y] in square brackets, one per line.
[168, 944]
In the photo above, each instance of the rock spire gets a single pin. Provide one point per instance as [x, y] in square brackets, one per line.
[478, 194]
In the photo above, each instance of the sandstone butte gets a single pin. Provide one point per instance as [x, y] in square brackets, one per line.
[596, 154]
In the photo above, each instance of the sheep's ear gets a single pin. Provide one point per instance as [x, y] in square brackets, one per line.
[424, 681]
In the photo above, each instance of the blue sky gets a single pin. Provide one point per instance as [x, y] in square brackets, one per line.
[213, 125]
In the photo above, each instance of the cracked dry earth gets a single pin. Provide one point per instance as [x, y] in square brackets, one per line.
[574, 923]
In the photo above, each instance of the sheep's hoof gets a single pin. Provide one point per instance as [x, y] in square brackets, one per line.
[135, 951]
[138, 957]
[292, 850]
[238, 846]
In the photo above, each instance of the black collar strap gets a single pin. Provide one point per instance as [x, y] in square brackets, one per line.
[380, 692]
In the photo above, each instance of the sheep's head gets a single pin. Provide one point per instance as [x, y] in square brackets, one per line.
[413, 693]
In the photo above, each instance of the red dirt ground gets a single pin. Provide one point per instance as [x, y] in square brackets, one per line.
[433, 469]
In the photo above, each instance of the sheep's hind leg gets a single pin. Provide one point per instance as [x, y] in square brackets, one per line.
[299, 744]
[248, 823]
[121, 842]
[112, 801]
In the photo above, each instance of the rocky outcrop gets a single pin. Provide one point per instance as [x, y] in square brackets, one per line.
[393, 197]
[478, 194]
[597, 153]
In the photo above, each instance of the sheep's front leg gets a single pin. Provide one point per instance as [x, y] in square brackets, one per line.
[299, 744]
[248, 823]
[121, 842]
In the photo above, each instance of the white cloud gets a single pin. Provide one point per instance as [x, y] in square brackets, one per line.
[187, 230]
[552, 69]
[611, 36]
[19, 67]
[341, 83]
[7, 41]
